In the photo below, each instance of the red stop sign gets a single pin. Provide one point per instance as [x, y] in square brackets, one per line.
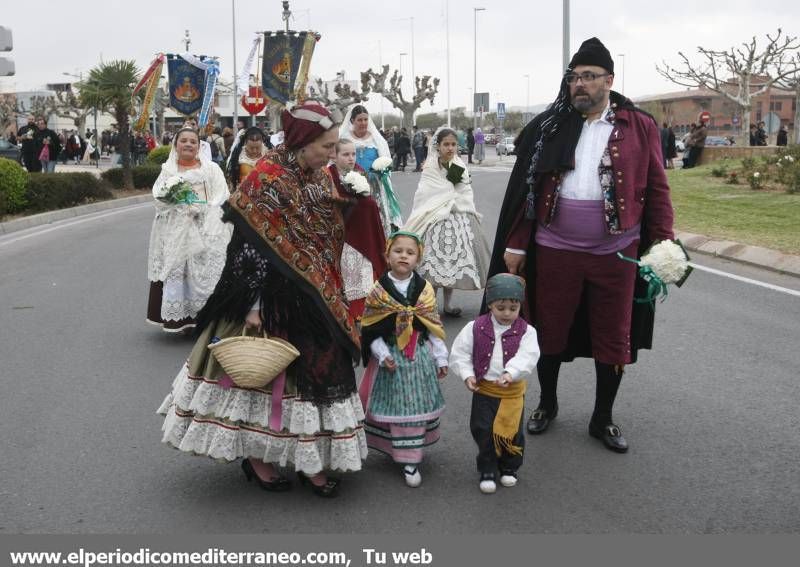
[254, 101]
[705, 116]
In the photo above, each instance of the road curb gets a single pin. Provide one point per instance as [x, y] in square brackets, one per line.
[758, 256]
[62, 214]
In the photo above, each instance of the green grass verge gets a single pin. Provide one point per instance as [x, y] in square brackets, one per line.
[707, 205]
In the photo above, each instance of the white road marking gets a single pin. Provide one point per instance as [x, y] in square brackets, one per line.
[746, 280]
[67, 224]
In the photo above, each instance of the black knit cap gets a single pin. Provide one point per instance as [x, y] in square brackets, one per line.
[593, 52]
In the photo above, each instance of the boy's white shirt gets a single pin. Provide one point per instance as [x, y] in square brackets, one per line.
[520, 366]
[379, 348]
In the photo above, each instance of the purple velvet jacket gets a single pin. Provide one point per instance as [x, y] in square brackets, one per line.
[641, 189]
[483, 342]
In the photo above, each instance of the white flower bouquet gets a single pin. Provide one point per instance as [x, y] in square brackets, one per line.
[357, 183]
[177, 191]
[382, 163]
[665, 262]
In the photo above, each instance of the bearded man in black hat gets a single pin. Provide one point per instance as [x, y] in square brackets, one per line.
[588, 183]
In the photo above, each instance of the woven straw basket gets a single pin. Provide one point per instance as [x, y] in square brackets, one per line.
[253, 362]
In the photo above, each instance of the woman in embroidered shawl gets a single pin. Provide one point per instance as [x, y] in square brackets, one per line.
[403, 347]
[188, 239]
[444, 215]
[282, 275]
[371, 150]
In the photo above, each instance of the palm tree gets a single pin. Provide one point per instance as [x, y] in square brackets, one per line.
[109, 87]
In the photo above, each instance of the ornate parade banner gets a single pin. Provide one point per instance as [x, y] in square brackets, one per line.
[283, 54]
[186, 85]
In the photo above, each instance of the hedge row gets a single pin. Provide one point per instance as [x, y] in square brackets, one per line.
[46, 192]
[144, 176]
[21, 191]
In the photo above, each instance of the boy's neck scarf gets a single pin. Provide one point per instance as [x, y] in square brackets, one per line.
[509, 413]
[381, 304]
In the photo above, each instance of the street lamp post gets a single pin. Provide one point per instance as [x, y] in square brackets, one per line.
[475, 65]
[528, 97]
[235, 78]
[565, 36]
[413, 71]
[79, 76]
[402, 121]
[623, 71]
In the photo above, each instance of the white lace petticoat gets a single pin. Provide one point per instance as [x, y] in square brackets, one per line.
[187, 253]
[456, 253]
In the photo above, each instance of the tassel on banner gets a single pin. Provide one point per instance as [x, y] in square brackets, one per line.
[302, 76]
[151, 78]
[212, 73]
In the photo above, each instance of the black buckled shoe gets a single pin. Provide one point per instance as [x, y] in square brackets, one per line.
[540, 420]
[610, 435]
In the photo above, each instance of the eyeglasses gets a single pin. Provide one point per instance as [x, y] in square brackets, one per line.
[585, 77]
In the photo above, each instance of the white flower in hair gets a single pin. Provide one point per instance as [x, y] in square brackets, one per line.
[668, 260]
[357, 182]
[381, 163]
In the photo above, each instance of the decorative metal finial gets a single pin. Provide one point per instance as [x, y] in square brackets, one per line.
[187, 40]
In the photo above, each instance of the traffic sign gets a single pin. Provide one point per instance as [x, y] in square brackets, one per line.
[705, 116]
[6, 44]
[254, 101]
[501, 110]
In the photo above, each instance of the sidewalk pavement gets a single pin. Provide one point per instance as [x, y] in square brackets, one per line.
[753, 255]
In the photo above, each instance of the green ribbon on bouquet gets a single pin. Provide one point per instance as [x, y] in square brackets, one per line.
[394, 205]
[656, 288]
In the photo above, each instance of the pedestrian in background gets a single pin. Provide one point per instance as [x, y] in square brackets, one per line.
[54, 145]
[470, 144]
[480, 146]
[402, 149]
[417, 144]
[783, 136]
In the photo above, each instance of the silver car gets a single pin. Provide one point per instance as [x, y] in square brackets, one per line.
[505, 147]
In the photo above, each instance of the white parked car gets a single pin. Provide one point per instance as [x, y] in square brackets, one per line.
[505, 146]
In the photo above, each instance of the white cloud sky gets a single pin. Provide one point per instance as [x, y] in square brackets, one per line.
[515, 37]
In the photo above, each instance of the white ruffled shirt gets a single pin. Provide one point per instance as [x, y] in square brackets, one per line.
[520, 366]
[379, 348]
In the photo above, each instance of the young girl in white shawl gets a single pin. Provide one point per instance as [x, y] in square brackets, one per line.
[457, 255]
[372, 154]
[188, 238]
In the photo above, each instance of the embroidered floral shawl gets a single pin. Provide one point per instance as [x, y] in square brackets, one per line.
[296, 215]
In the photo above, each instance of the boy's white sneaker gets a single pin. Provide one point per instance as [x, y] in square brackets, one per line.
[412, 476]
[508, 479]
[487, 484]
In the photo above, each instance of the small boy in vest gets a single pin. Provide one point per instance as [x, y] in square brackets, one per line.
[493, 355]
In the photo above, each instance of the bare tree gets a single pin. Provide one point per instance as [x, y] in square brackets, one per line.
[344, 95]
[788, 69]
[731, 73]
[43, 106]
[67, 105]
[8, 111]
[425, 88]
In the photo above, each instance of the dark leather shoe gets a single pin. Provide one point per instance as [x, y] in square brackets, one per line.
[540, 420]
[277, 484]
[611, 437]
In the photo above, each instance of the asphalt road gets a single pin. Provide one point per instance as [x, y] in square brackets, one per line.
[710, 414]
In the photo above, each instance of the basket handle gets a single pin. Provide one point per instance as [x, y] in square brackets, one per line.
[244, 331]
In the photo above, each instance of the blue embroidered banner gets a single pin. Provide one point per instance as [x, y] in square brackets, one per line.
[282, 54]
[187, 85]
